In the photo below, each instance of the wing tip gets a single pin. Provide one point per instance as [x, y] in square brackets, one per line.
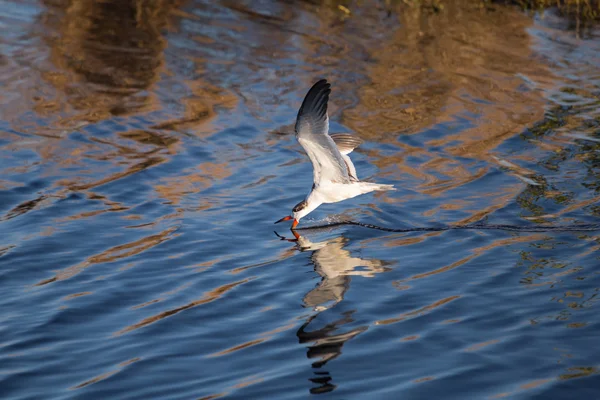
[316, 98]
[321, 82]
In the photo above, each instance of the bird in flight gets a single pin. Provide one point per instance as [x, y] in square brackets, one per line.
[334, 175]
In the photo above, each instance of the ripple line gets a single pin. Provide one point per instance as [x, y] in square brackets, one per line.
[418, 312]
[207, 298]
[476, 226]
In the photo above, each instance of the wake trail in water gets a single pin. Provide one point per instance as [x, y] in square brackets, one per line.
[476, 226]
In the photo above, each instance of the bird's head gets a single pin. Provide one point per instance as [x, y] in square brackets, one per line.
[299, 211]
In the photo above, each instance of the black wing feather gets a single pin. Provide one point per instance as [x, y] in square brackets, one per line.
[312, 127]
[313, 110]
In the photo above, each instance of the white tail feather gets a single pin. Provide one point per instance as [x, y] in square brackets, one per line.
[370, 187]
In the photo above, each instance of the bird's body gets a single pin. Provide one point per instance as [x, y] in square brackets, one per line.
[334, 175]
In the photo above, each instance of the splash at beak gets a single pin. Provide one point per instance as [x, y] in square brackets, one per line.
[294, 224]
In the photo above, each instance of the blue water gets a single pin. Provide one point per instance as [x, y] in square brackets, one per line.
[147, 148]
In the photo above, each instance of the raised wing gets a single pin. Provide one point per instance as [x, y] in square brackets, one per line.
[346, 142]
[312, 126]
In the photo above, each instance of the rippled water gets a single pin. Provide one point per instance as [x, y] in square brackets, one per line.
[147, 149]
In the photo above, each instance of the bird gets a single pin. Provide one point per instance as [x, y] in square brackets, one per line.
[334, 175]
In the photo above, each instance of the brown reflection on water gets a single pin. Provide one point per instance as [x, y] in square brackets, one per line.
[114, 48]
[239, 347]
[476, 253]
[500, 199]
[99, 61]
[208, 297]
[199, 108]
[113, 254]
[552, 271]
[264, 336]
[25, 207]
[190, 182]
[93, 61]
[573, 373]
[442, 66]
[464, 66]
[418, 312]
[106, 375]
[481, 345]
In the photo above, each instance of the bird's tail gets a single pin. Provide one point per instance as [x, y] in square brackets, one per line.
[370, 187]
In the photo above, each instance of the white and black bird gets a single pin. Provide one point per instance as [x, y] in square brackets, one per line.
[334, 175]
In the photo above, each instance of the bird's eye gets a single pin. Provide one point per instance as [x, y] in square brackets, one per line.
[300, 206]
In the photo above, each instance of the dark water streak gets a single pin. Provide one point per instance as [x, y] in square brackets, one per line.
[477, 226]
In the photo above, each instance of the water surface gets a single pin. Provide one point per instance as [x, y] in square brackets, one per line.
[147, 148]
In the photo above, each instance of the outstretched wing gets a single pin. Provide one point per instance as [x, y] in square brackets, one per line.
[312, 126]
[346, 142]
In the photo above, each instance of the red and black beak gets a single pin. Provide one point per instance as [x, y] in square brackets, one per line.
[294, 224]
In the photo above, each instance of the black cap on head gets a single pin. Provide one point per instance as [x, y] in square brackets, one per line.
[300, 206]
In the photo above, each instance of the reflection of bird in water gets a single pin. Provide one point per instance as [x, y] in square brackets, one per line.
[334, 175]
[336, 266]
[326, 345]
